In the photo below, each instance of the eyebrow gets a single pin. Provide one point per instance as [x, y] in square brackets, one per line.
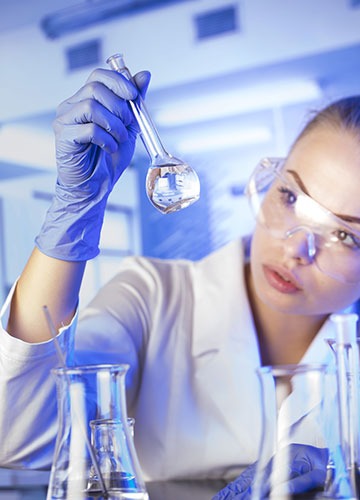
[346, 218]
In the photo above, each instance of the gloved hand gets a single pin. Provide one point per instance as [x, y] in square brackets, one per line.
[95, 134]
[307, 473]
[240, 488]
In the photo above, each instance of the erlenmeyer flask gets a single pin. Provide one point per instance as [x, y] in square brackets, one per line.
[171, 184]
[93, 434]
[300, 454]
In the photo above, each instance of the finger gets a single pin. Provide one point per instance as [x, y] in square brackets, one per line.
[97, 93]
[89, 133]
[306, 458]
[229, 494]
[114, 81]
[312, 480]
[142, 80]
[299, 467]
[240, 488]
[90, 111]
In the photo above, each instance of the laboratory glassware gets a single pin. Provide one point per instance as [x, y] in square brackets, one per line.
[95, 456]
[171, 184]
[109, 441]
[300, 435]
[346, 349]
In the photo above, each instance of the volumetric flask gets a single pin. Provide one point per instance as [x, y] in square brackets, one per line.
[171, 184]
[300, 454]
[95, 457]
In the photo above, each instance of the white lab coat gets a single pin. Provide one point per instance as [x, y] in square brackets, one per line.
[186, 329]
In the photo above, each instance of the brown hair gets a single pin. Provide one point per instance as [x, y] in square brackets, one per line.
[344, 113]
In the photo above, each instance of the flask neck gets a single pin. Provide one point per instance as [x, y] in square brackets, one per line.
[148, 133]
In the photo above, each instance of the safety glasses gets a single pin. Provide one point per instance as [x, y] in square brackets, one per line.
[285, 210]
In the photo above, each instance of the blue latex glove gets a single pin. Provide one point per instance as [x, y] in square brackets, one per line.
[307, 473]
[240, 488]
[95, 134]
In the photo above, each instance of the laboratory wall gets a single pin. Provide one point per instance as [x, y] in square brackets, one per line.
[231, 82]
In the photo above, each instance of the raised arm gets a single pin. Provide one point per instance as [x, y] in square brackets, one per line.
[95, 136]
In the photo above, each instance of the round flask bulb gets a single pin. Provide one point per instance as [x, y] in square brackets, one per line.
[172, 187]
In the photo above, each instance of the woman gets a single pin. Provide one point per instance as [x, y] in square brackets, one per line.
[193, 332]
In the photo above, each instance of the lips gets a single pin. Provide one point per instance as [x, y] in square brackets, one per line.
[281, 280]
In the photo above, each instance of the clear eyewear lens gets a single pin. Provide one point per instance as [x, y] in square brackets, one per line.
[284, 209]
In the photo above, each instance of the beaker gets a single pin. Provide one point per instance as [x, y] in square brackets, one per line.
[109, 439]
[300, 454]
[93, 432]
[171, 184]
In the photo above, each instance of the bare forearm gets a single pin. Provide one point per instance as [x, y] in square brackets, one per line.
[44, 281]
[91, 155]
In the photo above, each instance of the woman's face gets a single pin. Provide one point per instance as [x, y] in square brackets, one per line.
[326, 163]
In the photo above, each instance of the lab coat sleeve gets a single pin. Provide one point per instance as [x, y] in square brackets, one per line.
[28, 403]
[110, 330]
[115, 326]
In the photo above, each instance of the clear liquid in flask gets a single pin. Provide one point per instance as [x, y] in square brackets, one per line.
[172, 187]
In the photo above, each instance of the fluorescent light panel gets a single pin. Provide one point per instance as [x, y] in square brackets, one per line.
[219, 140]
[237, 101]
[88, 13]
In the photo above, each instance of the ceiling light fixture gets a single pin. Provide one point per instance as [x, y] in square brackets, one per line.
[237, 101]
[224, 139]
[88, 13]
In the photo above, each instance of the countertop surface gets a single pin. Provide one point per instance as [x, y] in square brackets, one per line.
[32, 485]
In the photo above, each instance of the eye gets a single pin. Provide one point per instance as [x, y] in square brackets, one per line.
[287, 196]
[348, 239]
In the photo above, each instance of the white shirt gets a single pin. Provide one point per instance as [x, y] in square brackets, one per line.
[187, 331]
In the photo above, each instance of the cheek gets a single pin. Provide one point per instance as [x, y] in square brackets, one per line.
[255, 253]
[263, 248]
[260, 246]
[325, 295]
[258, 242]
[338, 295]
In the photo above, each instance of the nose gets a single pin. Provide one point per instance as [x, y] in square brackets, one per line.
[300, 244]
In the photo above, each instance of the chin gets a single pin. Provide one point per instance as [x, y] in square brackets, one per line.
[282, 306]
[283, 303]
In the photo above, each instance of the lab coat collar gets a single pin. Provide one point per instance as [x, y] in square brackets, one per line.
[221, 305]
[300, 403]
[225, 352]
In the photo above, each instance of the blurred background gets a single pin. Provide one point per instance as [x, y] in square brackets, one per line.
[232, 81]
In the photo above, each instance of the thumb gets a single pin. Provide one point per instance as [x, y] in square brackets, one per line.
[142, 80]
